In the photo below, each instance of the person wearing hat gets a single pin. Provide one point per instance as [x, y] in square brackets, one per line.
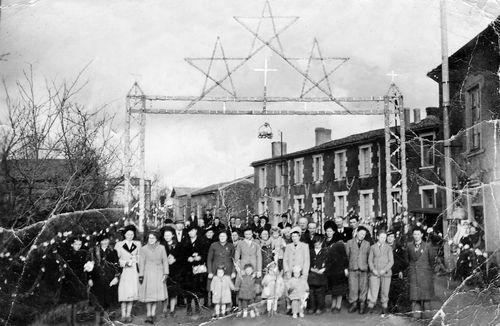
[421, 256]
[357, 250]
[128, 257]
[195, 282]
[104, 276]
[153, 273]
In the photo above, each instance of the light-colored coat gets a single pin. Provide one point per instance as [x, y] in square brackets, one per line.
[128, 288]
[381, 259]
[248, 254]
[221, 289]
[153, 265]
[358, 257]
[296, 255]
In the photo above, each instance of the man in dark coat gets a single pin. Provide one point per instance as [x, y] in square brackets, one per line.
[238, 226]
[180, 233]
[309, 234]
[421, 258]
[196, 274]
[399, 291]
[342, 233]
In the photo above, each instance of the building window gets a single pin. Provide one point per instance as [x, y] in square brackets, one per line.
[280, 175]
[318, 202]
[427, 150]
[262, 177]
[340, 203]
[298, 202]
[317, 168]
[365, 160]
[428, 196]
[366, 203]
[340, 165]
[474, 118]
[298, 171]
[396, 202]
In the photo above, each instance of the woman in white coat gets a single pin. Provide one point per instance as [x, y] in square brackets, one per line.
[128, 287]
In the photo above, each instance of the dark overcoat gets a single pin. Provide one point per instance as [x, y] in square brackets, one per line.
[106, 268]
[220, 255]
[420, 271]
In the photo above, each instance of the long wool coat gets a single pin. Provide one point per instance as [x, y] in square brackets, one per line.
[318, 261]
[420, 271]
[74, 285]
[153, 264]
[106, 268]
[248, 254]
[336, 264]
[128, 288]
[176, 270]
[220, 255]
[245, 285]
[221, 289]
[296, 255]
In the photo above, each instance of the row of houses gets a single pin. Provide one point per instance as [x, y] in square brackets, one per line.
[338, 176]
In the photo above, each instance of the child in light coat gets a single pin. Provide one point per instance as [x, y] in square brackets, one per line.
[278, 244]
[298, 291]
[273, 288]
[221, 287]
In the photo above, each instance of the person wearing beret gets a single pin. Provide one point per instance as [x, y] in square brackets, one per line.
[104, 276]
[128, 258]
[357, 250]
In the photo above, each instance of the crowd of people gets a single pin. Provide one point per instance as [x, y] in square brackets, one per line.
[231, 268]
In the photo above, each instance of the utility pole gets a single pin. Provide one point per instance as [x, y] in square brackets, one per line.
[445, 84]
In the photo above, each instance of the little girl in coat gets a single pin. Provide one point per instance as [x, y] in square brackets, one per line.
[273, 288]
[221, 287]
[298, 291]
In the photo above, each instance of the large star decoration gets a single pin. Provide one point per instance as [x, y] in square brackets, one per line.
[266, 15]
[208, 73]
[316, 55]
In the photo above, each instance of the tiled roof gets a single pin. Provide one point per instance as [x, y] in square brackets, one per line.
[429, 122]
[181, 191]
[217, 186]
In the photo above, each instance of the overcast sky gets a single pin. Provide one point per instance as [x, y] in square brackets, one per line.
[147, 41]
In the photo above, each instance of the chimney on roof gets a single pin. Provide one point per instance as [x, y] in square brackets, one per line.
[323, 135]
[416, 115]
[437, 112]
[278, 148]
[407, 117]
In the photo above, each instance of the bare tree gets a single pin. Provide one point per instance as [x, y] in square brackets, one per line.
[56, 155]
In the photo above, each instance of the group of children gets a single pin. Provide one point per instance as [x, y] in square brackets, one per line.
[271, 288]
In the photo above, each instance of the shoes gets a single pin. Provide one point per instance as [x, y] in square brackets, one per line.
[294, 316]
[245, 313]
[252, 314]
[301, 315]
[361, 308]
[353, 307]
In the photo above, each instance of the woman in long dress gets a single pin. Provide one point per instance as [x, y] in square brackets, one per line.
[153, 272]
[128, 257]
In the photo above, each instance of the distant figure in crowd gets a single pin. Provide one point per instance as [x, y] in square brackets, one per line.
[180, 234]
[342, 233]
[284, 221]
[354, 224]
